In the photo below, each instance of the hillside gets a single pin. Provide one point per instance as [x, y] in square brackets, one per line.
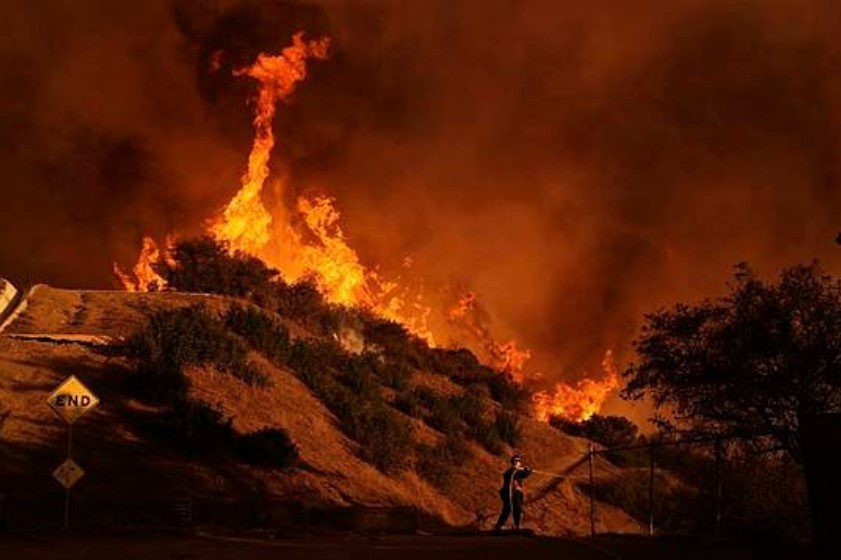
[130, 474]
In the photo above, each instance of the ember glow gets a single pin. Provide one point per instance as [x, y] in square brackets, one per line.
[308, 242]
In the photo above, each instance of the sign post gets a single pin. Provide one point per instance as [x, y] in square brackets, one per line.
[71, 400]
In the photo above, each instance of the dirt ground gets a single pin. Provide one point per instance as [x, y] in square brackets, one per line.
[404, 548]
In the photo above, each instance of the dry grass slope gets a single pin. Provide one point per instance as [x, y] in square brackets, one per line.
[124, 465]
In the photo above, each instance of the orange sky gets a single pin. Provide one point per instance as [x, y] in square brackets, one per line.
[574, 165]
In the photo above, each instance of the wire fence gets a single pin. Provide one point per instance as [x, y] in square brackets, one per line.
[694, 487]
[699, 487]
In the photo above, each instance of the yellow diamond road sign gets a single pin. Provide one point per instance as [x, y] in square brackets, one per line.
[72, 399]
[68, 473]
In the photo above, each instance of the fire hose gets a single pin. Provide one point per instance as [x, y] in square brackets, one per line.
[558, 475]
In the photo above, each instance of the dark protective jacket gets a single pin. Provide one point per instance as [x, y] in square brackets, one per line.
[512, 482]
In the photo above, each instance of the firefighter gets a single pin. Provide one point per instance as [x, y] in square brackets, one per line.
[512, 493]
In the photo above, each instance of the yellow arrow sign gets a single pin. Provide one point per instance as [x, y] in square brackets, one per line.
[72, 399]
[68, 473]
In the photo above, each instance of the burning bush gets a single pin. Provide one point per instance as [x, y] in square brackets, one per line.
[208, 266]
[205, 265]
[303, 302]
[395, 341]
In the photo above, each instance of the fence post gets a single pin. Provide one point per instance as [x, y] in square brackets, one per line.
[67, 490]
[718, 461]
[651, 489]
[592, 491]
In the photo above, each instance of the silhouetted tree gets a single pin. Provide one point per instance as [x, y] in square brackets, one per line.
[758, 360]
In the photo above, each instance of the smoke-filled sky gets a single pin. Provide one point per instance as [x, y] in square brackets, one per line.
[575, 163]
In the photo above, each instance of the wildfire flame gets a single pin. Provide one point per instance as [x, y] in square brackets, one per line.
[579, 402]
[504, 356]
[245, 222]
[144, 279]
[308, 241]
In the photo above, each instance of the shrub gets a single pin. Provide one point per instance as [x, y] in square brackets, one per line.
[443, 418]
[464, 368]
[468, 407]
[303, 302]
[265, 335]
[269, 447]
[487, 435]
[397, 344]
[508, 393]
[192, 336]
[409, 403]
[440, 412]
[206, 265]
[765, 499]
[508, 427]
[251, 376]
[384, 437]
[396, 375]
[460, 365]
[185, 337]
[609, 431]
[194, 427]
[461, 415]
[357, 375]
[426, 396]
[200, 429]
[436, 463]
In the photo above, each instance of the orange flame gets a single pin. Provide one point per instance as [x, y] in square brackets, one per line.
[580, 402]
[317, 246]
[309, 242]
[245, 221]
[145, 279]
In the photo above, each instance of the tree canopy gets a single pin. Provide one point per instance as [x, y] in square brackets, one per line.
[756, 361]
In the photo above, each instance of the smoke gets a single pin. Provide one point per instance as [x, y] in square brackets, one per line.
[574, 164]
